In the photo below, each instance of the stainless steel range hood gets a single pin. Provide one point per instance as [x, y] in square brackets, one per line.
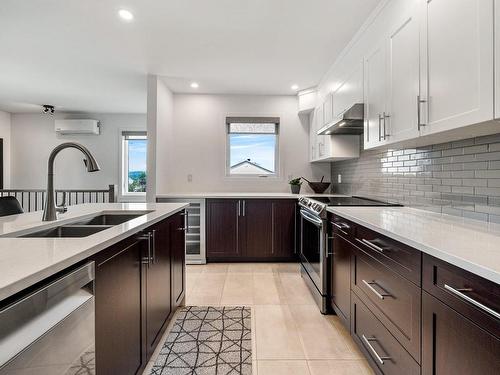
[350, 122]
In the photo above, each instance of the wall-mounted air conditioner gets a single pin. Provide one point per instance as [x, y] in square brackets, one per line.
[80, 126]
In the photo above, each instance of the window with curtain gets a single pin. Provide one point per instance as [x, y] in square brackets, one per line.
[252, 146]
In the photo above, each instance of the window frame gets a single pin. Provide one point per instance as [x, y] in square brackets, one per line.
[124, 195]
[253, 120]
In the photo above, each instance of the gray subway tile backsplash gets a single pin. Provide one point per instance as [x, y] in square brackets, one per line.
[459, 178]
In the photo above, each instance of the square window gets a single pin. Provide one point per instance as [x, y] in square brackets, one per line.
[252, 147]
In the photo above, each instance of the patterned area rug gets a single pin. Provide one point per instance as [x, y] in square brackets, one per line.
[208, 341]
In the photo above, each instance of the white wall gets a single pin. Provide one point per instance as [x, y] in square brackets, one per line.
[33, 138]
[199, 144]
[160, 123]
[5, 133]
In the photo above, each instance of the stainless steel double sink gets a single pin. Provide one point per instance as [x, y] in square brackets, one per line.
[84, 227]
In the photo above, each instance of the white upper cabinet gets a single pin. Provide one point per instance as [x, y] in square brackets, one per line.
[456, 62]
[349, 92]
[327, 109]
[403, 78]
[375, 95]
[497, 58]
[307, 100]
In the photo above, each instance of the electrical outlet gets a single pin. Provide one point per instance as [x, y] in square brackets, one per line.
[339, 178]
[190, 178]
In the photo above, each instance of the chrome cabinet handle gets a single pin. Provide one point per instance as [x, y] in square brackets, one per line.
[239, 208]
[459, 293]
[386, 116]
[153, 245]
[146, 237]
[371, 245]
[244, 208]
[379, 127]
[419, 121]
[379, 358]
[379, 295]
[341, 227]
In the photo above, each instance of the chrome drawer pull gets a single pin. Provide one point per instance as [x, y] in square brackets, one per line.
[369, 244]
[379, 295]
[372, 349]
[458, 293]
[341, 227]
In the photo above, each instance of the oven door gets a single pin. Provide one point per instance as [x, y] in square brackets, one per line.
[312, 249]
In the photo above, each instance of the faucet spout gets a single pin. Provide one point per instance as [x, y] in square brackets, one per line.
[50, 209]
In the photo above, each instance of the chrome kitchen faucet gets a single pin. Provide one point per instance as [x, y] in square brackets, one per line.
[50, 209]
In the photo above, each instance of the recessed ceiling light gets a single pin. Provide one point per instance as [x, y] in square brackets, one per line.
[194, 85]
[126, 15]
[295, 87]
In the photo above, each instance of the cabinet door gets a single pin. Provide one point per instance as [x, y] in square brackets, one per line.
[222, 228]
[403, 79]
[497, 59]
[341, 278]
[349, 92]
[283, 228]
[313, 148]
[158, 285]
[118, 307]
[327, 110]
[375, 94]
[452, 344]
[178, 256]
[255, 228]
[457, 63]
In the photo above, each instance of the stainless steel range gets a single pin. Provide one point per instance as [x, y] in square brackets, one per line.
[314, 241]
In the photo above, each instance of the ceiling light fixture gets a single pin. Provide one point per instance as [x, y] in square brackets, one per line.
[48, 109]
[126, 15]
[295, 87]
[194, 85]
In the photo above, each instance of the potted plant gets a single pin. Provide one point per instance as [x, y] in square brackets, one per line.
[295, 185]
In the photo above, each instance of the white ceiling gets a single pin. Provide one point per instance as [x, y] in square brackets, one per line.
[79, 56]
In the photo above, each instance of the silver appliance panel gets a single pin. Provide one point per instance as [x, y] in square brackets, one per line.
[52, 330]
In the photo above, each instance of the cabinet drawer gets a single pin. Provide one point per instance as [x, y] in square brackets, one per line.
[474, 297]
[394, 300]
[342, 227]
[380, 347]
[399, 257]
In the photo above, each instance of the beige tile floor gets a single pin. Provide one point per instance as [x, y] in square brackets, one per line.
[289, 334]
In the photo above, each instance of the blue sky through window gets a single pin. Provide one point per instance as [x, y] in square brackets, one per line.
[259, 148]
[137, 151]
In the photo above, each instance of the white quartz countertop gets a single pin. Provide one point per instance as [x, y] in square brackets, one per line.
[469, 244]
[26, 261]
[248, 195]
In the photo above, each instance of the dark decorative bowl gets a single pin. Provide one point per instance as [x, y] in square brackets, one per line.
[319, 187]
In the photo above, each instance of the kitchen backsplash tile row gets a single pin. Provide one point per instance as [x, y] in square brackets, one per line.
[459, 178]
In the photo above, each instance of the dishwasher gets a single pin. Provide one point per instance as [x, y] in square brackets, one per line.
[52, 329]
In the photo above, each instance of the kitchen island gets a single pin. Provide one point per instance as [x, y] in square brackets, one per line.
[100, 277]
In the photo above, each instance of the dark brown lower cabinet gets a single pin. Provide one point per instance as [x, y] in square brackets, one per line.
[138, 284]
[383, 351]
[118, 309]
[250, 229]
[341, 278]
[452, 344]
[222, 225]
[178, 256]
[157, 287]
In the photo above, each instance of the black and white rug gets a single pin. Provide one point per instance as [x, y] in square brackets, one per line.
[208, 341]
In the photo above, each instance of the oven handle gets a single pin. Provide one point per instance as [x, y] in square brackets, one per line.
[311, 218]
